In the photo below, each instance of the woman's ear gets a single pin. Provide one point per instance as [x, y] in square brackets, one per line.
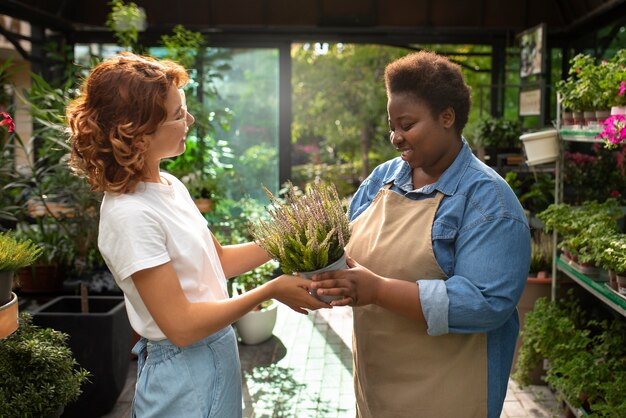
[447, 118]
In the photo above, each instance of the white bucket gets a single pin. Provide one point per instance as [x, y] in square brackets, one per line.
[541, 147]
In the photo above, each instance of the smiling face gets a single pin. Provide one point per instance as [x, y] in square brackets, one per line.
[425, 142]
[169, 138]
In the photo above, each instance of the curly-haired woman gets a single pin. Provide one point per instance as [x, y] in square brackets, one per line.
[130, 115]
[440, 253]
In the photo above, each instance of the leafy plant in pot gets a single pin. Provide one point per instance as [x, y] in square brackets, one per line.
[15, 253]
[257, 325]
[39, 375]
[307, 233]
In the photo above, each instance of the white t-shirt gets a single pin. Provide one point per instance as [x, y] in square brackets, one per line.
[156, 224]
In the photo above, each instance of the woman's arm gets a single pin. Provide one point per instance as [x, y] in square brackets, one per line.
[240, 258]
[184, 322]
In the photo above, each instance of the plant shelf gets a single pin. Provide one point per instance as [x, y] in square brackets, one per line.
[578, 135]
[578, 412]
[598, 289]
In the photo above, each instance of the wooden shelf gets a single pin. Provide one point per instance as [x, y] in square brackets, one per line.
[598, 289]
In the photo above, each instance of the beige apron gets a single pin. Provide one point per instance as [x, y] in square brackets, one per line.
[399, 370]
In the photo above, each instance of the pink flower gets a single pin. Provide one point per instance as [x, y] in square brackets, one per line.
[615, 193]
[614, 131]
[622, 88]
[7, 121]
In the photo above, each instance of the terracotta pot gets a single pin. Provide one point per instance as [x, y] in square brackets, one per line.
[568, 118]
[578, 117]
[9, 317]
[621, 284]
[41, 278]
[589, 116]
[204, 205]
[602, 114]
[612, 280]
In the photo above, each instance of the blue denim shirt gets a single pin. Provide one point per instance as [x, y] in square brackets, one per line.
[481, 241]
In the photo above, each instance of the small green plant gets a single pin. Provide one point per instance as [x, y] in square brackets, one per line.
[38, 373]
[499, 133]
[586, 355]
[307, 232]
[16, 253]
[255, 278]
[541, 253]
[125, 21]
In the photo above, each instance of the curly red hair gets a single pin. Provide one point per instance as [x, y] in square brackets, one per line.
[122, 100]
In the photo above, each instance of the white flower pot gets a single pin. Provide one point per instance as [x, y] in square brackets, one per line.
[337, 265]
[256, 327]
[541, 147]
[618, 110]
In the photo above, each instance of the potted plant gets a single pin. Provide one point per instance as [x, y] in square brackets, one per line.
[585, 356]
[15, 253]
[100, 338]
[38, 374]
[538, 285]
[257, 325]
[497, 135]
[307, 233]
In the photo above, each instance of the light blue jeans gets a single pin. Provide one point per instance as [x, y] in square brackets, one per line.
[201, 380]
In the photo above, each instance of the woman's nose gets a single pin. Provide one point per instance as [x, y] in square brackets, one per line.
[395, 138]
[190, 119]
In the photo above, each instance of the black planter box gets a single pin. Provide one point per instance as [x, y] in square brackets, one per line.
[101, 343]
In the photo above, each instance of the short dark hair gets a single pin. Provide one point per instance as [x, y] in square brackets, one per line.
[433, 79]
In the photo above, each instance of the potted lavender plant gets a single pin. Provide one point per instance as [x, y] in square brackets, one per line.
[307, 233]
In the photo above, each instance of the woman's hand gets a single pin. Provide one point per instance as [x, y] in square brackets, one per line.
[293, 291]
[358, 285]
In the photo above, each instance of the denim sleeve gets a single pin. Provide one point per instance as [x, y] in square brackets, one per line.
[490, 271]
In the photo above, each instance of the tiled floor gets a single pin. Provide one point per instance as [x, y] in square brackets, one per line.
[305, 371]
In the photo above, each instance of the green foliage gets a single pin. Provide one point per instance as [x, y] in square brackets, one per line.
[230, 219]
[583, 228]
[570, 220]
[125, 21]
[541, 253]
[339, 100]
[498, 132]
[592, 86]
[535, 193]
[343, 176]
[594, 174]
[586, 356]
[57, 247]
[308, 231]
[183, 45]
[202, 167]
[207, 160]
[50, 182]
[39, 373]
[16, 253]
[256, 277]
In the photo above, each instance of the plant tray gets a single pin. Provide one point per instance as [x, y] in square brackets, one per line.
[594, 273]
[615, 291]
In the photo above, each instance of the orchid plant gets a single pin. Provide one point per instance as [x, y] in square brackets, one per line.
[308, 231]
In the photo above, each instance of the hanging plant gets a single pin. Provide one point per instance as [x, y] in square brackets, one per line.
[126, 21]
